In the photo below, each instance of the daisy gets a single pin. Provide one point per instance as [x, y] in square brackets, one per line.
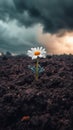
[34, 53]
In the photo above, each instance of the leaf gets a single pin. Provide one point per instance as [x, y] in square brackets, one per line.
[33, 69]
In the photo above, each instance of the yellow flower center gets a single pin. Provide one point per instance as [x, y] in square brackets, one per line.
[37, 53]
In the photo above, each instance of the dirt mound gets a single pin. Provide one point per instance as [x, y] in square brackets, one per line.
[46, 104]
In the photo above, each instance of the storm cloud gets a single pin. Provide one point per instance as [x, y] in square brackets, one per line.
[21, 20]
[54, 15]
[15, 38]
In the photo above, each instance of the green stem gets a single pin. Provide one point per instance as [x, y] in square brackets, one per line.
[37, 65]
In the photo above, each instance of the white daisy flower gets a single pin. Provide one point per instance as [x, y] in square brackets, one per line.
[37, 52]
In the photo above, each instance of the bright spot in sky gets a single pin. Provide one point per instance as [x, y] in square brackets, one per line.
[56, 44]
[69, 39]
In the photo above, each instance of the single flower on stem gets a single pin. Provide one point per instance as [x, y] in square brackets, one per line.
[36, 53]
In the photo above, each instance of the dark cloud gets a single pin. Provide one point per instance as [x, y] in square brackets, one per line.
[52, 14]
[21, 20]
[16, 38]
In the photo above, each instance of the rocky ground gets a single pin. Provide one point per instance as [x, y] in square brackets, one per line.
[27, 104]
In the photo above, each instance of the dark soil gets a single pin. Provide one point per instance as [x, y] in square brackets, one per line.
[27, 104]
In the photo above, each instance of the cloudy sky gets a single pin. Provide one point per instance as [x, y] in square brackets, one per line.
[30, 23]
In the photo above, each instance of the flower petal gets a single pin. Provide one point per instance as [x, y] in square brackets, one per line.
[34, 57]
